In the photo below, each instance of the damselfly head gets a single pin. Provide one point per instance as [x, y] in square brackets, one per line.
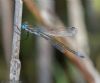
[24, 25]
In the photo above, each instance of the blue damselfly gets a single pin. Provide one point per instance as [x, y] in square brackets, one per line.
[51, 37]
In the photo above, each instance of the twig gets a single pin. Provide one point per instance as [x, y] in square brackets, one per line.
[7, 22]
[15, 64]
[76, 60]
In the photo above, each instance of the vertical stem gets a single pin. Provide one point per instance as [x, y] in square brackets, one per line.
[45, 50]
[7, 22]
[15, 64]
[76, 18]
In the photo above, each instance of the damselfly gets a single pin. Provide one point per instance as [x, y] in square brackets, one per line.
[72, 31]
[51, 37]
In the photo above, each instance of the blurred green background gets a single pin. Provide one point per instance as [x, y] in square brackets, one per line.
[63, 70]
